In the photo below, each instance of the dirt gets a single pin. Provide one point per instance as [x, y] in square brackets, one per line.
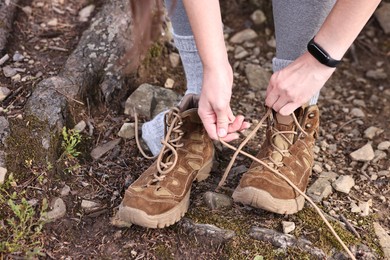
[82, 235]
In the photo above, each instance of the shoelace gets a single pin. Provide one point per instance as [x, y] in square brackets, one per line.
[275, 171]
[167, 158]
[173, 121]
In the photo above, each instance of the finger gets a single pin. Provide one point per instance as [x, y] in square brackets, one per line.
[279, 104]
[236, 124]
[222, 123]
[271, 99]
[230, 137]
[288, 109]
[210, 126]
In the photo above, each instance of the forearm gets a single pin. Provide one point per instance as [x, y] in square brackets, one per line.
[343, 25]
[206, 23]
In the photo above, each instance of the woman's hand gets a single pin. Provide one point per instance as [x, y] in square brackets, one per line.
[296, 84]
[214, 104]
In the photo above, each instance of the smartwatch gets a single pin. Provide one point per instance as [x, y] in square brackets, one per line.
[321, 55]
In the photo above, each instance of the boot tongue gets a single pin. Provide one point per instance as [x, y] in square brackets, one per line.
[282, 123]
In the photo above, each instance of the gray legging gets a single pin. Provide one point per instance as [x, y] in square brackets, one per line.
[296, 22]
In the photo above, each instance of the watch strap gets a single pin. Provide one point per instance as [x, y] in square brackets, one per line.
[321, 55]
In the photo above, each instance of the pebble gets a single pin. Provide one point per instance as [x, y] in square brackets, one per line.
[257, 76]
[4, 59]
[86, 12]
[104, 148]
[65, 191]
[9, 72]
[58, 211]
[258, 17]
[317, 168]
[127, 131]
[384, 173]
[244, 35]
[344, 184]
[16, 78]
[383, 18]
[377, 74]
[215, 200]
[355, 208]
[3, 172]
[357, 112]
[372, 131]
[17, 57]
[80, 126]
[4, 92]
[364, 154]
[169, 83]
[365, 207]
[53, 22]
[359, 102]
[288, 226]
[383, 146]
[240, 53]
[319, 190]
[89, 205]
[174, 58]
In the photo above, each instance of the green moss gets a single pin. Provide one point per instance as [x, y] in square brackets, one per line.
[163, 252]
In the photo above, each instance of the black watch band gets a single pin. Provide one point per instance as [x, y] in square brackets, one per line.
[321, 55]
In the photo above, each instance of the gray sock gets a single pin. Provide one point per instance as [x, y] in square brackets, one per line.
[153, 131]
[278, 64]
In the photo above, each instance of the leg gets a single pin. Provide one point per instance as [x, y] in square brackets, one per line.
[153, 131]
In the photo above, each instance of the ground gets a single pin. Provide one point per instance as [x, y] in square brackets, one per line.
[82, 235]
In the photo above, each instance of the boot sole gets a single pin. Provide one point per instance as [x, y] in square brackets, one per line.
[262, 199]
[141, 218]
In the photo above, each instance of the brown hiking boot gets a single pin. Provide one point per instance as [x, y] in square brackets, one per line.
[160, 196]
[288, 150]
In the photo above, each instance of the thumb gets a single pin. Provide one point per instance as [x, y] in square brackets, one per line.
[222, 124]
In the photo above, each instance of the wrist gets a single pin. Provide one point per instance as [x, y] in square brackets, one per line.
[321, 55]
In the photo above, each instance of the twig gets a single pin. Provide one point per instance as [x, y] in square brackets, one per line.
[349, 225]
[79, 102]
[55, 48]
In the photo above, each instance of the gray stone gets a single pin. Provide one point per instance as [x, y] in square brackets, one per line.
[329, 176]
[257, 76]
[169, 83]
[258, 17]
[89, 205]
[319, 190]
[357, 112]
[80, 126]
[215, 200]
[104, 148]
[127, 131]
[384, 173]
[377, 74]
[372, 131]
[288, 226]
[244, 35]
[365, 207]
[9, 72]
[4, 59]
[240, 53]
[317, 168]
[85, 13]
[65, 191]
[364, 154]
[4, 129]
[382, 14]
[3, 172]
[384, 239]
[359, 102]
[344, 184]
[4, 92]
[149, 100]
[383, 146]
[17, 57]
[174, 58]
[58, 211]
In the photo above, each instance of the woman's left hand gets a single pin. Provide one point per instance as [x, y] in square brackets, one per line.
[296, 84]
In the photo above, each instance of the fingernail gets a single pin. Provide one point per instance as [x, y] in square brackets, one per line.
[222, 132]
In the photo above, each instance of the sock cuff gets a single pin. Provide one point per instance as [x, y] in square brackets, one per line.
[279, 64]
[185, 43]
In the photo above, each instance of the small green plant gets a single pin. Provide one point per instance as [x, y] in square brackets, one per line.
[21, 225]
[71, 138]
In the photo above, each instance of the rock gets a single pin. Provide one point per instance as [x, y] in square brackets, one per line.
[4, 59]
[3, 172]
[357, 112]
[359, 102]
[364, 154]
[344, 184]
[317, 168]
[257, 76]
[384, 173]
[384, 239]
[365, 207]
[147, 97]
[215, 200]
[379, 155]
[104, 148]
[85, 13]
[9, 72]
[89, 206]
[243, 36]
[382, 14]
[372, 131]
[174, 58]
[80, 126]
[240, 53]
[58, 211]
[4, 92]
[53, 22]
[319, 190]
[127, 131]
[17, 57]
[329, 176]
[65, 191]
[16, 78]
[288, 227]
[383, 146]
[377, 74]
[258, 17]
[169, 83]
[355, 208]
[4, 129]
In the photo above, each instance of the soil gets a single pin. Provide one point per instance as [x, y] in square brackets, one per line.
[82, 235]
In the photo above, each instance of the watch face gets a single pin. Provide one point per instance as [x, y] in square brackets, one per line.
[318, 53]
